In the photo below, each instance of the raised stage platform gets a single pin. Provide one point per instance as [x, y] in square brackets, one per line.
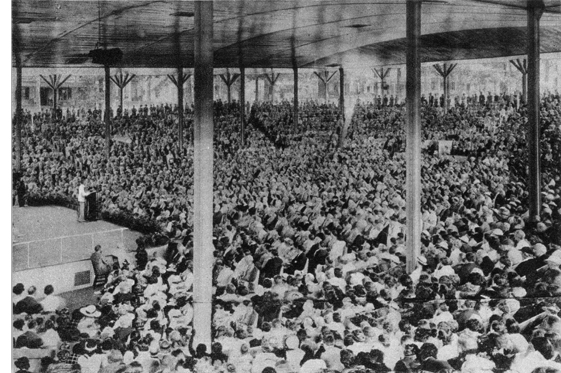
[50, 246]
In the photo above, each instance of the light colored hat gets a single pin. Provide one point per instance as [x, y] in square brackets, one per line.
[115, 356]
[422, 260]
[291, 342]
[90, 311]
[497, 232]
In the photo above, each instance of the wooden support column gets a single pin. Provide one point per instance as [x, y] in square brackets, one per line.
[18, 114]
[229, 80]
[382, 74]
[413, 134]
[180, 110]
[257, 88]
[295, 114]
[535, 11]
[179, 82]
[242, 106]
[444, 71]
[345, 122]
[272, 81]
[121, 82]
[107, 112]
[398, 87]
[523, 68]
[325, 80]
[203, 177]
[342, 92]
[55, 82]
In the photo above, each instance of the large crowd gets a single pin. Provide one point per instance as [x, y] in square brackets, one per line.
[309, 238]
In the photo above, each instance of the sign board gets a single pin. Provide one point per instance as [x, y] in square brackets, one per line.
[444, 147]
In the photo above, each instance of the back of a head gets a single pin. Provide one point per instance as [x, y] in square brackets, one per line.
[18, 289]
[427, 350]
[543, 346]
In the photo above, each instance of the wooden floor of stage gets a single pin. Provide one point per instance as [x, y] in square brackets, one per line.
[45, 225]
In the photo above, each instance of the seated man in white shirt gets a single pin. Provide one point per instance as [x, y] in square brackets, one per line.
[51, 303]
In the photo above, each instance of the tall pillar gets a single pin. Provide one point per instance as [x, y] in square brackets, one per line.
[257, 89]
[524, 87]
[398, 86]
[533, 104]
[342, 91]
[203, 166]
[107, 111]
[413, 133]
[445, 90]
[18, 116]
[242, 106]
[55, 98]
[180, 111]
[295, 99]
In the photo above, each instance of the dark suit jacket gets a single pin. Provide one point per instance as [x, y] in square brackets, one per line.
[28, 305]
[29, 339]
[271, 268]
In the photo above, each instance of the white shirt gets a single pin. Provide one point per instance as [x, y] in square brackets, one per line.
[51, 303]
[82, 193]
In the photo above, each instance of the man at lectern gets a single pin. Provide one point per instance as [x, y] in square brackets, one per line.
[82, 194]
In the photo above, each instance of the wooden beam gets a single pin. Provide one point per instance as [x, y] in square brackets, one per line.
[413, 158]
[128, 79]
[46, 81]
[116, 81]
[320, 77]
[451, 68]
[185, 78]
[331, 76]
[203, 173]
[385, 73]
[224, 79]
[63, 81]
[173, 80]
[534, 13]
[439, 69]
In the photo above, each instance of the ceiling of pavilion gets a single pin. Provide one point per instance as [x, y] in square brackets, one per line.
[254, 33]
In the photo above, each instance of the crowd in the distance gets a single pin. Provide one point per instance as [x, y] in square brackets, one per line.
[309, 240]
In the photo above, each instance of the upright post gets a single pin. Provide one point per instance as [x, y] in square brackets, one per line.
[242, 106]
[203, 178]
[55, 95]
[525, 84]
[535, 10]
[18, 116]
[107, 112]
[257, 88]
[342, 92]
[398, 86]
[295, 99]
[445, 88]
[413, 133]
[180, 110]
[229, 89]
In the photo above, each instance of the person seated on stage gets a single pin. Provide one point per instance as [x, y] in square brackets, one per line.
[101, 267]
[82, 194]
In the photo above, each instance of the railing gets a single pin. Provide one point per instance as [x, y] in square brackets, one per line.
[65, 249]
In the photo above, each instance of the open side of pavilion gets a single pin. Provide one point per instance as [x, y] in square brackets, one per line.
[284, 34]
